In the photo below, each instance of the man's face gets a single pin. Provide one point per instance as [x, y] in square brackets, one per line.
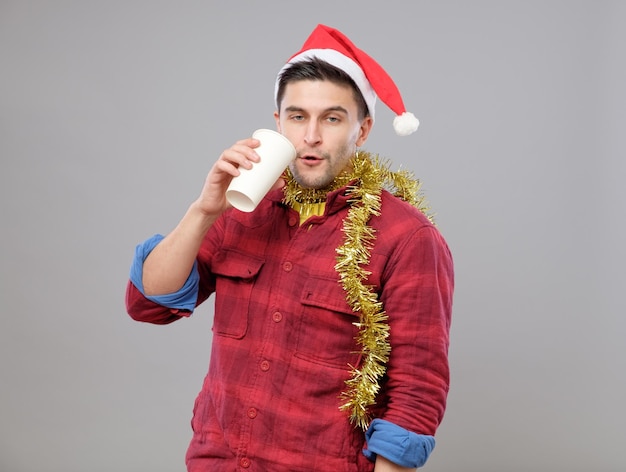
[321, 119]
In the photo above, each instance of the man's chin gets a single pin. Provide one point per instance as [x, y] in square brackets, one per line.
[311, 182]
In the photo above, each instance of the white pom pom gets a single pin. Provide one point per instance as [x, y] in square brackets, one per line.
[405, 124]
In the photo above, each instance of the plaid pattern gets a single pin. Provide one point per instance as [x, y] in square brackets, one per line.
[283, 336]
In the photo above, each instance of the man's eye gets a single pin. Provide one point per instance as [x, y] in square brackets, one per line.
[297, 117]
[333, 119]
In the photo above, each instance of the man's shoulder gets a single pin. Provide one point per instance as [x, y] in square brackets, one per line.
[401, 223]
[397, 211]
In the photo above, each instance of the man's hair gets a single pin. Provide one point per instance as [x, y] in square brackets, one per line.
[317, 69]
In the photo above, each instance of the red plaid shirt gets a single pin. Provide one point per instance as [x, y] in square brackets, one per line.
[283, 336]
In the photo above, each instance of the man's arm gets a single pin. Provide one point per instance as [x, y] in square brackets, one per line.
[168, 265]
[418, 299]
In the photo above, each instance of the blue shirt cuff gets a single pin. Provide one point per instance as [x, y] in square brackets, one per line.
[400, 446]
[183, 299]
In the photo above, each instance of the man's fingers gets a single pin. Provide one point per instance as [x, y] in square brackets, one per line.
[241, 154]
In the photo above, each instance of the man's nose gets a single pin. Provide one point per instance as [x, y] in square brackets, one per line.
[313, 135]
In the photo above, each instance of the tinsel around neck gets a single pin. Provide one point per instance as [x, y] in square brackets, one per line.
[365, 169]
[367, 177]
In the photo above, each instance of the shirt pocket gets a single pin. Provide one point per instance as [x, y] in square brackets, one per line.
[327, 325]
[235, 274]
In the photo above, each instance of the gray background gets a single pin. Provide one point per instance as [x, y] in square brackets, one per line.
[112, 112]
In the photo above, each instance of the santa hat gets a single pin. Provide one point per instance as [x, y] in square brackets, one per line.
[332, 46]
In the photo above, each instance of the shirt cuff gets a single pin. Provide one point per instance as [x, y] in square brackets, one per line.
[400, 446]
[183, 299]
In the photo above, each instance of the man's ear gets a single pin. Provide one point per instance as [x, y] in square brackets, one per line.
[364, 131]
[277, 119]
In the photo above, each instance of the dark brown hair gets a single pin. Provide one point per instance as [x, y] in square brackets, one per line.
[317, 69]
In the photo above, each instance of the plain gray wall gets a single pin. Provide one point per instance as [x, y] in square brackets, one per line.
[112, 112]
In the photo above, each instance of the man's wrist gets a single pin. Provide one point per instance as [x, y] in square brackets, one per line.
[385, 465]
[201, 218]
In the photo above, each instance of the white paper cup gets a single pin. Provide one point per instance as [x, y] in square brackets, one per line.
[248, 188]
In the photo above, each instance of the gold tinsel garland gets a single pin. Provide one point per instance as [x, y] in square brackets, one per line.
[370, 176]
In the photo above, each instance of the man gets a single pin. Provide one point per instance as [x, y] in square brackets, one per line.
[333, 297]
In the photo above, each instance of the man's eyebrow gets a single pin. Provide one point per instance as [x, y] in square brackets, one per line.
[337, 108]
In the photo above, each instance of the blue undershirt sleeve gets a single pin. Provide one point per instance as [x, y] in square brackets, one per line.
[183, 299]
[397, 444]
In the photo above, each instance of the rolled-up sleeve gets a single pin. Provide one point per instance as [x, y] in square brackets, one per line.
[400, 446]
[183, 299]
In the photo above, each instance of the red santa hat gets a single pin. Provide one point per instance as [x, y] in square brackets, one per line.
[332, 46]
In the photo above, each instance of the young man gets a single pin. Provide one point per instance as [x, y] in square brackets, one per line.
[333, 298]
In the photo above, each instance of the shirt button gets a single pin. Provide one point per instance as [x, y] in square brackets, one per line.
[265, 366]
[244, 462]
[287, 266]
[292, 220]
[252, 412]
[277, 316]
